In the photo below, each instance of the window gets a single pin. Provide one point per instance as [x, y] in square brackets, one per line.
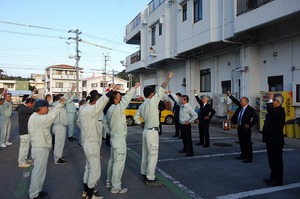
[72, 84]
[58, 72]
[197, 10]
[94, 85]
[59, 85]
[275, 83]
[226, 86]
[153, 35]
[160, 29]
[8, 85]
[184, 12]
[205, 80]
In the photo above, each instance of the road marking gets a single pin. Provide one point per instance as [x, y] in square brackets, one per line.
[260, 191]
[213, 155]
[165, 140]
[171, 183]
[23, 183]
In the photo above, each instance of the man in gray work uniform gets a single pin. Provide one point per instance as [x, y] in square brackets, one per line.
[148, 111]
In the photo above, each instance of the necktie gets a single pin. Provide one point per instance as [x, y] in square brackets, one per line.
[241, 116]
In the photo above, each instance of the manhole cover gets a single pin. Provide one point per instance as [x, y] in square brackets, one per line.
[222, 144]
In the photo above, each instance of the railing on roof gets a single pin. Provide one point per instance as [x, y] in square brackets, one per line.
[248, 5]
[154, 4]
[135, 22]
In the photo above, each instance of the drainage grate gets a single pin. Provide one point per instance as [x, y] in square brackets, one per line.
[222, 144]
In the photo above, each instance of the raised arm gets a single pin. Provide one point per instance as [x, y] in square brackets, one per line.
[197, 98]
[236, 101]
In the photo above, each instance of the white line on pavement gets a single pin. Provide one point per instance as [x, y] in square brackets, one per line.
[212, 155]
[259, 191]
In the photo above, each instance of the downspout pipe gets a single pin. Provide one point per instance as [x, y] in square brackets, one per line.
[242, 48]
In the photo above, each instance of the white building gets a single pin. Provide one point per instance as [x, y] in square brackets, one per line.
[218, 45]
[100, 82]
[39, 83]
[61, 78]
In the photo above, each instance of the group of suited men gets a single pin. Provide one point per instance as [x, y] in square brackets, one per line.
[245, 117]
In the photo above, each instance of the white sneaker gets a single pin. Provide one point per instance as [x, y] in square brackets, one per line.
[24, 165]
[95, 197]
[121, 190]
[108, 184]
[8, 143]
[2, 145]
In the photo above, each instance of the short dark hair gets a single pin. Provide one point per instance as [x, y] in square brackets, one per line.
[246, 98]
[93, 92]
[179, 94]
[148, 90]
[57, 97]
[88, 98]
[48, 95]
[29, 100]
[95, 97]
[186, 97]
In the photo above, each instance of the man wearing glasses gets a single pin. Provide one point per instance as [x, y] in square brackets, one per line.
[187, 115]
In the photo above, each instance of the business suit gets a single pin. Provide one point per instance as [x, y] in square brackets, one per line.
[248, 117]
[205, 111]
[273, 137]
[176, 110]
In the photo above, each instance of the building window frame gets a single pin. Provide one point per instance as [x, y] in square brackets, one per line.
[184, 12]
[205, 80]
[198, 10]
[153, 31]
[160, 29]
[275, 83]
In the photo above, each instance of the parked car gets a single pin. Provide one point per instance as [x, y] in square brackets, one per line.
[167, 116]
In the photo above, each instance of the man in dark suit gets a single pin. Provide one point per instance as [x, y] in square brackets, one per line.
[205, 114]
[245, 117]
[161, 106]
[273, 137]
[176, 110]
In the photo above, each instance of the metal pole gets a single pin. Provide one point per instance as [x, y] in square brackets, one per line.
[77, 62]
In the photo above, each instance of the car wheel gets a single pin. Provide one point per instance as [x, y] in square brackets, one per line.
[129, 121]
[169, 120]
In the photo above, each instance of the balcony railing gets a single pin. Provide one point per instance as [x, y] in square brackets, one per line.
[135, 57]
[135, 22]
[248, 5]
[154, 4]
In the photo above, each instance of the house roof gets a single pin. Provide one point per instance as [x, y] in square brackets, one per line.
[63, 66]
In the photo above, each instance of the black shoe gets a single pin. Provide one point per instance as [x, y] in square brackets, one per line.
[189, 155]
[272, 183]
[71, 139]
[240, 157]
[175, 136]
[179, 137]
[199, 143]
[144, 177]
[206, 145]
[182, 151]
[154, 183]
[43, 194]
[247, 160]
[60, 161]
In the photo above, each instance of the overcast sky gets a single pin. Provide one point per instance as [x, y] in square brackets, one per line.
[26, 49]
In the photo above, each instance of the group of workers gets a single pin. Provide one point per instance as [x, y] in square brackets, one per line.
[36, 123]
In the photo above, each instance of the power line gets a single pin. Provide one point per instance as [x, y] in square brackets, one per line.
[32, 26]
[31, 34]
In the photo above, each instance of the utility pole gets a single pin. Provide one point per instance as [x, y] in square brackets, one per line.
[106, 59]
[77, 58]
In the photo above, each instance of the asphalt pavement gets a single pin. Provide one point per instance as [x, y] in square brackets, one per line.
[211, 173]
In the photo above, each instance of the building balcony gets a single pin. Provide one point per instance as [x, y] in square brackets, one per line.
[134, 62]
[66, 77]
[246, 6]
[133, 30]
[252, 13]
[62, 90]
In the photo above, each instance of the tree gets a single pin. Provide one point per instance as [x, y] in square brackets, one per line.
[124, 75]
